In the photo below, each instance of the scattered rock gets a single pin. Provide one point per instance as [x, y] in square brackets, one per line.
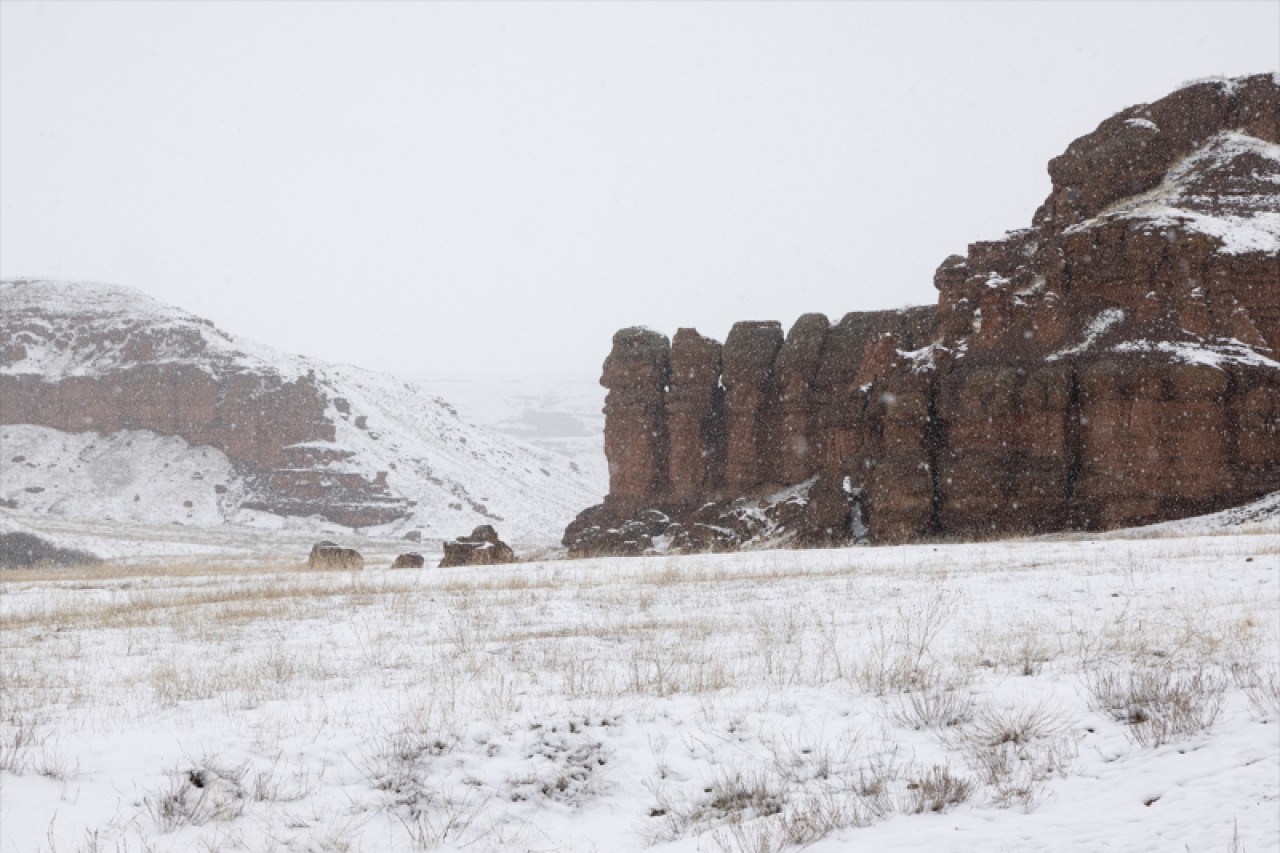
[411, 560]
[481, 548]
[330, 555]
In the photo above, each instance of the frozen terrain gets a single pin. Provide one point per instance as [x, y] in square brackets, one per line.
[560, 413]
[399, 440]
[1118, 693]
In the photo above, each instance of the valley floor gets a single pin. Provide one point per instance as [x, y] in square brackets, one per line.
[1119, 694]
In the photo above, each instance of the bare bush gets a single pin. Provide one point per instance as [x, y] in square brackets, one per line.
[1160, 705]
[1014, 752]
[731, 796]
[898, 655]
[459, 819]
[20, 738]
[1261, 687]
[936, 790]
[932, 708]
[199, 794]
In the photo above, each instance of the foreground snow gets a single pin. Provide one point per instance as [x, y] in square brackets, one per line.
[1042, 695]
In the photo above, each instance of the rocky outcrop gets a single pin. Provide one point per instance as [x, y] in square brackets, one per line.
[411, 560]
[331, 555]
[292, 436]
[481, 548]
[1117, 363]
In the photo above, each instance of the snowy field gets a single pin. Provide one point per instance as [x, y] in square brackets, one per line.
[1085, 695]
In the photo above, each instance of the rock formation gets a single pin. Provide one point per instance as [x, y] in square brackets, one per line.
[265, 432]
[331, 555]
[1116, 363]
[481, 548]
[411, 560]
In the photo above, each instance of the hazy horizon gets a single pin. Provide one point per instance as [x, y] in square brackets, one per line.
[492, 190]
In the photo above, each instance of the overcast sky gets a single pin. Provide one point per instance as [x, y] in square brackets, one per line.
[459, 190]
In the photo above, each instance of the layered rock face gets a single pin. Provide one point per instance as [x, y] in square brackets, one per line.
[293, 436]
[1116, 363]
[155, 370]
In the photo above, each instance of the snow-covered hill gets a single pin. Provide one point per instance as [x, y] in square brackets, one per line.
[119, 407]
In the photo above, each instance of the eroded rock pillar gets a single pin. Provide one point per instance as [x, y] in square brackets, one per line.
[797, 367]
[695, 416]
[749, 352]
[635, 428]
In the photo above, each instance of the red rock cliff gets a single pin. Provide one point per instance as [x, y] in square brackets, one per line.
[1117, 363]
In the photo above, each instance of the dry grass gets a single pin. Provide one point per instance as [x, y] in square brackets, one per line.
[1160, 705]
[900, 651]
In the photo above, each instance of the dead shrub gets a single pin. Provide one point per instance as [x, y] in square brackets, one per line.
[935, 791]
[199, 794]
[1014, 752]
[932, 708]
[1159, 705]
[1261, 687]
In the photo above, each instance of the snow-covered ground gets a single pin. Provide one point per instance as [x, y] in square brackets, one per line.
[1042, 695]
[560, 413]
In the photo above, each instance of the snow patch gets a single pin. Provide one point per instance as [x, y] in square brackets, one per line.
[1098, 326]
[1213, 355]
[1244, 224]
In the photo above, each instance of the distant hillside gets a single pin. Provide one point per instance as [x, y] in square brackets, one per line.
[116, 406]
[560, 413]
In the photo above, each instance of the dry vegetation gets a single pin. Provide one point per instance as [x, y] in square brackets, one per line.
[755, 703]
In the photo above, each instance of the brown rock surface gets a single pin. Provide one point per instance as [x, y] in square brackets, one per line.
[122, 362]
[481, 548]
[411, 560]
[635, 434]
[330, 555]
[695, 416]
[750, 402]
[1117, 363]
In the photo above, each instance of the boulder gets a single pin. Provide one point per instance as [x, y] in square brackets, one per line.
[331, 555]
[481, 548]
[411, 560]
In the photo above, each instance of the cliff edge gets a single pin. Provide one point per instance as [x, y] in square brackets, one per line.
[1115, 363]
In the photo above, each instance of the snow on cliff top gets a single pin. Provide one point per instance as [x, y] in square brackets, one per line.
[1229, 188]
[80, 328]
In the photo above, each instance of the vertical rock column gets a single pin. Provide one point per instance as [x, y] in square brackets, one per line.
[635, 427]
[797, 369]
[1006, 462]
[749, 351]
[1120, 457]
[695, 417]
[902, 485]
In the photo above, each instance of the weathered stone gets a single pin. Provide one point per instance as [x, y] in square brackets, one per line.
[411, 560]
[162, 376]
[481, 548]
[330, 555]
[1102, 368]
[695, 416]
[635, 435]
[749, 352]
